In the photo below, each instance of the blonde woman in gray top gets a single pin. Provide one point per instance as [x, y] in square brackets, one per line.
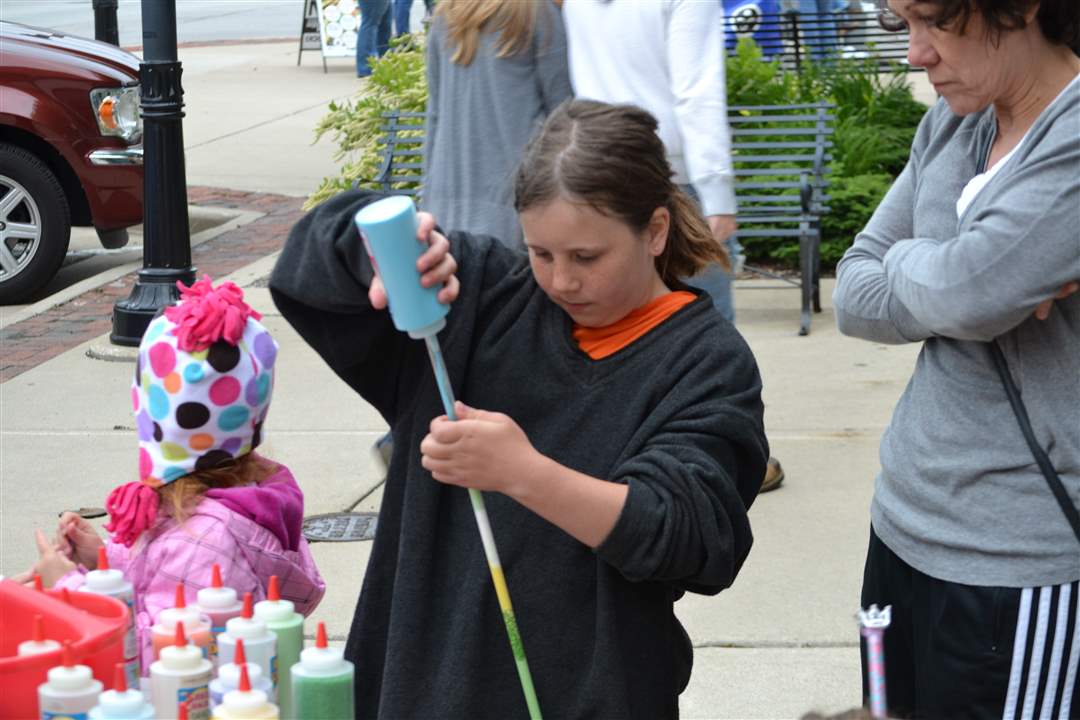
[495, 70]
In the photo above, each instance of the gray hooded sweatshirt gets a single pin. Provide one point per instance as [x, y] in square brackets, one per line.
[959, 496]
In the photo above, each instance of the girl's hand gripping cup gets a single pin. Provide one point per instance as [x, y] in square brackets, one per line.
[388, 228]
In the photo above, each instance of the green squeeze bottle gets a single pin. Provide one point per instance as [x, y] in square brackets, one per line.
[287, 625]
[322, 682]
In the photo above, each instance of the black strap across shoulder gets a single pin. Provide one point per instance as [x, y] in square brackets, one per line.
[1041, 458]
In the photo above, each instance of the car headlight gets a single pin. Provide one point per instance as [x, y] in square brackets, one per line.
[117, 112]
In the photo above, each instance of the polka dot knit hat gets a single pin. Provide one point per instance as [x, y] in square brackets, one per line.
[203, 381]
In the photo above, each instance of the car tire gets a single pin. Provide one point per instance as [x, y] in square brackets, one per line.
[30, 254]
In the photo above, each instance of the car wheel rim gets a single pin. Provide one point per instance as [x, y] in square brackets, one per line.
[20, 228]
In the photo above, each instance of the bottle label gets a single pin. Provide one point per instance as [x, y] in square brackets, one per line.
[131, 642]
[214, 649]
[198, 700]
[273, 671]
[46, 715]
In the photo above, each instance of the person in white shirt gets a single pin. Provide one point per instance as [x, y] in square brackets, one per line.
[666, 56]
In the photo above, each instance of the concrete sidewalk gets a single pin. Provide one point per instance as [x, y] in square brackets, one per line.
[781, 642]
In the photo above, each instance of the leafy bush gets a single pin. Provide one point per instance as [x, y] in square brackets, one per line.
[397, 82]
[853, 200]
[876, 117]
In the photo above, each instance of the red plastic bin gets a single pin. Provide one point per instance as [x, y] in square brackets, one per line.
[95, 625]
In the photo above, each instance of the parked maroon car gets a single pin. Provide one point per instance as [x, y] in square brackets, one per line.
[70, 151]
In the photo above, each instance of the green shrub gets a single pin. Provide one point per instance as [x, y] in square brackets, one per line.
[397, 82]
[853, 200]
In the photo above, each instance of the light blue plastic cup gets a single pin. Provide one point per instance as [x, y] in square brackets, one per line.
[388, 228]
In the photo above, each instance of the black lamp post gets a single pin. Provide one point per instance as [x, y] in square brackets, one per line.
[166, 241]
[105, 28]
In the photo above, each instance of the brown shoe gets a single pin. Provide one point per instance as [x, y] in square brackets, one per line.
[774, 475]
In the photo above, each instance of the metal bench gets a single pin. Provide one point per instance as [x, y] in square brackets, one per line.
[780, 157]
[793, 38]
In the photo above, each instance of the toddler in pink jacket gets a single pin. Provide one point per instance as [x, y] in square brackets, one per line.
[202, 387]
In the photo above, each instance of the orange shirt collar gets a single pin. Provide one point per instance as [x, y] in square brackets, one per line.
[601, 342]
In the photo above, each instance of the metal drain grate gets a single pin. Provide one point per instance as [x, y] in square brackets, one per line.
[88, 513]
[341, 527]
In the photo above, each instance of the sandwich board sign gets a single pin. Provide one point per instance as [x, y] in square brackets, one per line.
[330, 26]
[339, 22]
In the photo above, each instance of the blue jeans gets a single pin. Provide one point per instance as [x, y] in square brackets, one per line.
[373, 39]
[714, 279]
[821, 35]
[401, 16]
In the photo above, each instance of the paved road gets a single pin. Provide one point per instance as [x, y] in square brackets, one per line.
[196, 20]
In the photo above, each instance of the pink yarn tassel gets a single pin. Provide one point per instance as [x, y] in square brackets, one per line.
[132, 508]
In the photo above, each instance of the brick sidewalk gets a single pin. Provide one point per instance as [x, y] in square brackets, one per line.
[29, 343]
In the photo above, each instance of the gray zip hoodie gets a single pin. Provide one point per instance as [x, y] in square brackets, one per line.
[959, 496]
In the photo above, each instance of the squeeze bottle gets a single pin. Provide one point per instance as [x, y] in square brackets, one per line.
[322, 682]
[260, 644]
[70, 690]
[288, 626]
[388, 229]
[245, 703]
[37, 644]
[182, 674]
[121, 703]
[196, 627]
[219, 604]
[229, 677]
[107, 581]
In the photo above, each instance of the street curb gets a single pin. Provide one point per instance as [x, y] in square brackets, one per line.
[84, 317]
[232, 220]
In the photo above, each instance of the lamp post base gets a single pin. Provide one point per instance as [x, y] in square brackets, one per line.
[155, 289]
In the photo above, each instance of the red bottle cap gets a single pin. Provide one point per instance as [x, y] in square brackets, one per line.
[39, 629]
[215, 575]
[320, 636]
[180, 602]
[119, 678]
[249, 606]
[181, 711]
[37, 583]
[102, 559]
[240, 658]
[66, 657]
[180, 640]
[245, 681]
[273, 593]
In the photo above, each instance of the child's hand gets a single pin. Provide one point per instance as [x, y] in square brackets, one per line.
[77, 539]
[482, 450]
[51, 564]
[437, 266]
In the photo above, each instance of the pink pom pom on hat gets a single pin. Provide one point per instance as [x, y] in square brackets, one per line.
[203, 381]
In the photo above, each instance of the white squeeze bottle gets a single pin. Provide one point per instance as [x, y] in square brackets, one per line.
[38, 644]
[70, 691]
[245, 703]
[196, 627]
[181, 675]
[229, 677]
[220, 604]
[111, 582]
[121, 703]
[260, 644]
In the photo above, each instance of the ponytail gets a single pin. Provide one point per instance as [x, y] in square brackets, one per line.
[691, 246]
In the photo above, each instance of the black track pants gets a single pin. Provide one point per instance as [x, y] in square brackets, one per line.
[962, 651]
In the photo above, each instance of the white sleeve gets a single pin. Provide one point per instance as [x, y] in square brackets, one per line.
[695, 48]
